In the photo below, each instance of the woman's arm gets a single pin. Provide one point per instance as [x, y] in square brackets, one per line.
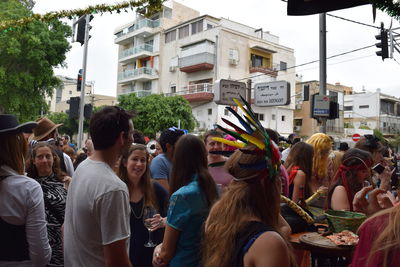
[339, 200]
[166, 249]
[36, 230]
[298, 182]
[278, 252]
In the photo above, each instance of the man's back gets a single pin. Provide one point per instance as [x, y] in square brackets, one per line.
[97, 214]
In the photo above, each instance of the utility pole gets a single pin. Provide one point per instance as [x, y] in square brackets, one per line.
[82, 104]
[322, 63]
[249, 91]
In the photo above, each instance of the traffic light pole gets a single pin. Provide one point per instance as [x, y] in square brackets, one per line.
[82, 103]
[322, 63]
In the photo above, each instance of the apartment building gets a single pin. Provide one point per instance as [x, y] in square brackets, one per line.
[197, 51]
[58, 102]
[372, 110]
[304, 125]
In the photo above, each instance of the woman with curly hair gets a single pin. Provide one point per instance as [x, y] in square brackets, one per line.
[322, 164]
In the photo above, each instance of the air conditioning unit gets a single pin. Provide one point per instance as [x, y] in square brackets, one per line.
[172, 68]
[297, 128]
[233, 61]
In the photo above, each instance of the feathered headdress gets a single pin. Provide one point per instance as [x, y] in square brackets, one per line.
[253, 133]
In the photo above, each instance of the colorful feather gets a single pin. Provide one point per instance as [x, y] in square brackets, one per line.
[234, 126]
[245, 111]
[234, 134]
[258, 166]
[248, 128]
[254, 141]
[229, 143]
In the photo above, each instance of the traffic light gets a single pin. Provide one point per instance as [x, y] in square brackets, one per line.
[382, 37]
[80, 36]
[87, 111]
[333, 110]
[74, 103]
[79, 81]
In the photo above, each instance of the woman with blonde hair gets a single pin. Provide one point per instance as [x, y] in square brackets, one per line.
[322, 164]
[244, 226]
[23, 233]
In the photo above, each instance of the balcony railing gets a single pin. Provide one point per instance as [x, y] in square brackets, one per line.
[138, 25]
[193, 89]
[131, 73]
[141, 93]
[272, 71]
[196, 59]
[136, 50]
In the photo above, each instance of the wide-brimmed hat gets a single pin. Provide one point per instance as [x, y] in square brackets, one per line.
[44, 128]
[9, 125]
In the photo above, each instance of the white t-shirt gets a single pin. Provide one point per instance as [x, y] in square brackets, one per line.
[97, 214]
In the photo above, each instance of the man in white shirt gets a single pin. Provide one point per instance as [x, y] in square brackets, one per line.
[96, 227]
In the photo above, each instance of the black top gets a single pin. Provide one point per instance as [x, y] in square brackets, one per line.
[138, 253]
[13, 243]
[245, 239]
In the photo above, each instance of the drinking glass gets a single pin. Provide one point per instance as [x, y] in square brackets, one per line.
[148, 214]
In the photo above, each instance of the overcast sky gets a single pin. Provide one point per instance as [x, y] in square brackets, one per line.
[362, 69]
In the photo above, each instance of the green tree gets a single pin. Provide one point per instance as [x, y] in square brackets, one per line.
[155, 113]
[70, 126]
[380, 136]
[28, 55]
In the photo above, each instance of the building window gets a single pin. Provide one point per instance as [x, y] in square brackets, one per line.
[173, 89]
[306, 92]
[70, 92]
[283, 66]
[261, 61]
[273, 117]
[197, 26]
[210, 111]
[259, 116]
[183, 31]
[209, 26]
[348, 108]
[147, 85]
[170, 36]
[283, 118]
[363, 106]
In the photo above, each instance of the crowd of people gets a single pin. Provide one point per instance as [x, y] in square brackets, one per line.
[182, 200]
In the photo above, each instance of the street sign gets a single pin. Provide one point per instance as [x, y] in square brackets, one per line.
[272, 94]
[321, 106]
[225, 90]
[356, 137]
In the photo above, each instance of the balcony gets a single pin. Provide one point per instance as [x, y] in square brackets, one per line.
[142, 28]
[141, 93]
[272, 71]
[141, 51]
[197, 62]
[140, 74]
[202, 92]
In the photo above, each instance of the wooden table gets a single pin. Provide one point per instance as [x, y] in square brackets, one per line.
[323, 251]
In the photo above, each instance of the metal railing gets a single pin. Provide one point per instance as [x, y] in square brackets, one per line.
[140, 93]
[273, 67]
[129, 73]
[135, 50]
[193, 89]
[138, 25]
[196, 59]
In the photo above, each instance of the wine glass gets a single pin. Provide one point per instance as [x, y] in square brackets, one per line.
[148, 214]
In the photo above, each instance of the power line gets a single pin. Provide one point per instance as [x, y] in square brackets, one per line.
[314, 61]
[357, 22]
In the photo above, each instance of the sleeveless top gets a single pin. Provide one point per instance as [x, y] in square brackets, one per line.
[245, 239]
[13, 243]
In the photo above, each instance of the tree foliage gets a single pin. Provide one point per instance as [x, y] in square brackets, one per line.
[27, 57]
[70, 126]
[155, 113]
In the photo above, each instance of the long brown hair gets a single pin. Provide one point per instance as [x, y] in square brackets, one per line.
[32, 170]
[301, 155]
[145, 183]
[190, 158]
[259, 198]
[13, 149]
[388, 240]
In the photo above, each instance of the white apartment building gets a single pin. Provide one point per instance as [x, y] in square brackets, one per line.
[197, 51]
[58, 102]
[373, 110]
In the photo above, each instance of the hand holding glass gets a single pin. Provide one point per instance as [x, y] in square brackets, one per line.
[149, 223]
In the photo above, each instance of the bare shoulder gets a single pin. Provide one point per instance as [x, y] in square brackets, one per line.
[300, 177]
[276, 248]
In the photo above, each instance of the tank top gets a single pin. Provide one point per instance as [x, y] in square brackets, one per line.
[245, 239]
[13, 243]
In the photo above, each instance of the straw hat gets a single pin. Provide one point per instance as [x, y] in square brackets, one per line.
[44, 128]
[9, 125]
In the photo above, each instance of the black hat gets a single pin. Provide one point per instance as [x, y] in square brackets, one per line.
[343, 146]
[9, 125]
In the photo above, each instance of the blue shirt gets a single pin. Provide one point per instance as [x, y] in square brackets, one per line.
[160, 167]
[187, 212]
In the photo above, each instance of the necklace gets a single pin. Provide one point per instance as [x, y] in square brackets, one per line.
[141, 212]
